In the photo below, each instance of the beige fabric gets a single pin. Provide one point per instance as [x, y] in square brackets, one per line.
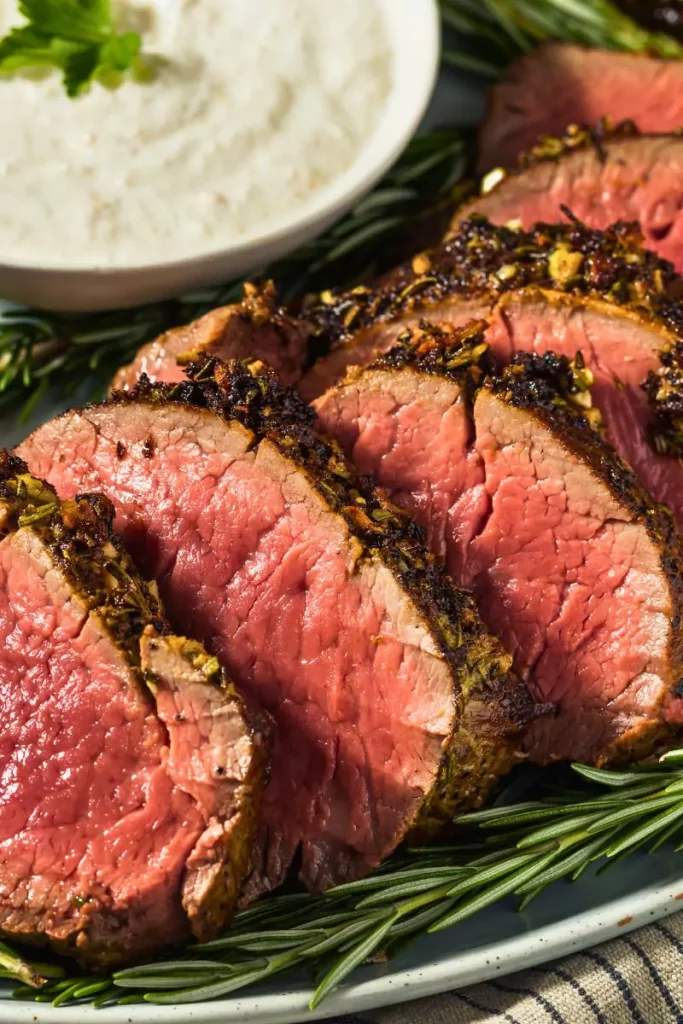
[637, 979]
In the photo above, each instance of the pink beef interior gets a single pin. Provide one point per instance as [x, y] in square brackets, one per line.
[575, 590]
[572, 589]
[617, 346]
[620, 349]
[254, 329]
[636, 179]
[369, 343]
[92, 824]
[558, 85]
[412, 432]
[363, 706]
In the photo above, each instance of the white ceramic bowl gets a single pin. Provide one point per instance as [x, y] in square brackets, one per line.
[415, 41]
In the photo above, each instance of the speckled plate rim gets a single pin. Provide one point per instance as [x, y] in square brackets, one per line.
[288, 1006]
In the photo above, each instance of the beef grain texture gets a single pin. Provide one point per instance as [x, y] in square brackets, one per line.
[619, 177]
[558, 85]
[561, 288]
[571, 562]
[130, 771]
[394, 706]
[255, 328]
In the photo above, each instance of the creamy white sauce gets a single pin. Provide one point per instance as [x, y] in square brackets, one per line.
[261, 104]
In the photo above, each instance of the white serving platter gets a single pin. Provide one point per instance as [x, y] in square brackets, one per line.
[567, 918]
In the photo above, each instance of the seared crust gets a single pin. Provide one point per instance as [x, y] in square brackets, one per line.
[541, 384]
[259, 309]
[555, 392]
[462, 354]
[552, 148]
[664, 388]
[564, 262]
[489, 261]
[538, 384]
[575, 137]
[80, 537]
[493, 706]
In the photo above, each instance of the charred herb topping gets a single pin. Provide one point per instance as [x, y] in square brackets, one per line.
[552, 383]
[23, 499]
[487, 262]
[80, 536]
[554, 147]
[545, 385]
[484, 260]
[252, 395]
[259, 308]
[463, 355]
[459, 353]
[664, 388]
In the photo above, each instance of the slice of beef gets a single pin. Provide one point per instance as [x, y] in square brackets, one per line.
[572, 563]
[394, 706]
[557, 85]
[255, 328]
[561, 288]
[130, 771]
[620, 177]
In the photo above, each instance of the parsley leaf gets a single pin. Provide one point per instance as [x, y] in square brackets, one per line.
[77, 37]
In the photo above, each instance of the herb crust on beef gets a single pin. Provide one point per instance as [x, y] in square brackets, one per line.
[134, 698]
[253, 395]
[484, 259]
[541, 498]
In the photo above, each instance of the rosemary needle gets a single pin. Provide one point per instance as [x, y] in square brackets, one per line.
[500, 30]
[413, 893]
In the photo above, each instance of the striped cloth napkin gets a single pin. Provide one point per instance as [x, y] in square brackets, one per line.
[636, 979]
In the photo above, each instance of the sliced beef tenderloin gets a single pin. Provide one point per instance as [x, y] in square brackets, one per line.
[130, 770]
[256, 328]
[557, 85]
[394, 706]
[572, 563]
[561, 288]
[620, 177]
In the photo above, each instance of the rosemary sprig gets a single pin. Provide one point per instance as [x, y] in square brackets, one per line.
[34, 974]
[500, 30]
[516, 849]
[40, 350]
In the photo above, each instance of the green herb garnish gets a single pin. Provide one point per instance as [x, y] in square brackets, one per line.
[500, 30]
[78, 37]
[507, 850]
